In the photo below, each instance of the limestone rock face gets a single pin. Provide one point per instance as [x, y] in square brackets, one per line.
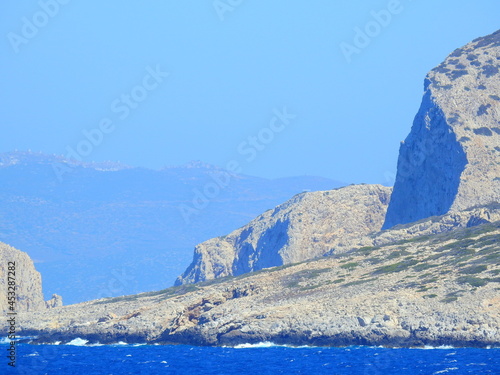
[450, 161]
[29, 295]
[55, 301]
[307, 226]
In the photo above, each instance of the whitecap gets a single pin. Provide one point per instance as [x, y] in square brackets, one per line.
[430, 347]
[446, 370]
[78, 342]
[268, 344]
[265, 344]
[6, 340]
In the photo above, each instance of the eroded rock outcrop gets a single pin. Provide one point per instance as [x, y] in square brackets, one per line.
[307, 226]
[450, 161]
[55, 301]
[28, 281]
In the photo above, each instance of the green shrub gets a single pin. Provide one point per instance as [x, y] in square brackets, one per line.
[430, 296]
[374, 260]
[397, 254]
[365, 250]
[472, 281]
[449, 299]
[358, 282]
[423, 266]
[349, 266]
[474, 269]
[396, 267]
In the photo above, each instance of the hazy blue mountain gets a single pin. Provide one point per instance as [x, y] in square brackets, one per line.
[105, 229]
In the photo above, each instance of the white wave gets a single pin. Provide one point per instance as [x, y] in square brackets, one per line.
[447, 347]
[430, 347]
[446, 370]
[265, 344]
[6, 340]
[78, 342]
[53, 343]
[268, 344]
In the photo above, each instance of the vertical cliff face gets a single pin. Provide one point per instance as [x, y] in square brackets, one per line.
[451, 159]
[29, 295]
[307, 226]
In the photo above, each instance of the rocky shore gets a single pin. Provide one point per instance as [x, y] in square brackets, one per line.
[431, 290]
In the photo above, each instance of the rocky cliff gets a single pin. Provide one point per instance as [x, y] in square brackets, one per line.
[307, 226]
[450, 161]
[28, 281]
[448, 166]
[430, 290]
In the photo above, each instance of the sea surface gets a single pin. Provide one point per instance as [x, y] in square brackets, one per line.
[257, 359]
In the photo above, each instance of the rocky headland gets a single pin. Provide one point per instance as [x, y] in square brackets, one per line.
[307, 226]
[27, 280]
[352, 266]
[430, 290]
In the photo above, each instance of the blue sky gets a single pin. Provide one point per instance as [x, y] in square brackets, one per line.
[265, 83]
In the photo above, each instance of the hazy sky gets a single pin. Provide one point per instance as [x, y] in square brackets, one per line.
[283, 87]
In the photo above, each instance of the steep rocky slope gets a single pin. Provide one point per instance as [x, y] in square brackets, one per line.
[29, 295]
[437, 290]
[306, 226]
[448, 174]
[450, 161]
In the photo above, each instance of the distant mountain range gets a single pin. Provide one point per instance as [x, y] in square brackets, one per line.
[106, 229]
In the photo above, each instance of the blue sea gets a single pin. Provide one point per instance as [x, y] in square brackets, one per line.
[247, 359]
